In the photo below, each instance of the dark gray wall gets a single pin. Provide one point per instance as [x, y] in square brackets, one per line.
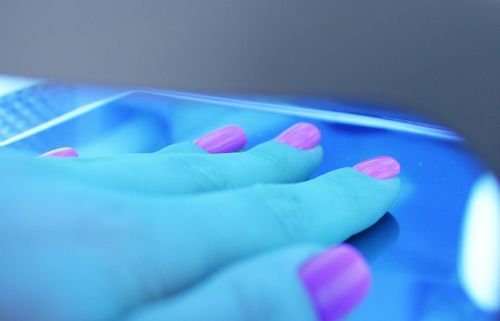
[438, 57]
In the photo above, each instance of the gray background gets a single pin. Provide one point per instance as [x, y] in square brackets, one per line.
[437, 57]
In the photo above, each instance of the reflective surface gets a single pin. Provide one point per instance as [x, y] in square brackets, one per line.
[414, 251]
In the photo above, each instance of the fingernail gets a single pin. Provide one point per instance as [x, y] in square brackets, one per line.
[63, 152]
[226, 139]
[301, 136]
[336, 280]
[381, 167]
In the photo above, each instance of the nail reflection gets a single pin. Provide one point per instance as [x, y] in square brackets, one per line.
[374, 240]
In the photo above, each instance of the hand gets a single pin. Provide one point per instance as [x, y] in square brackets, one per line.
[188, 234]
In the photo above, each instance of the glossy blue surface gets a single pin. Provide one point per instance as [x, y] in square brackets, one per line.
[414, 250]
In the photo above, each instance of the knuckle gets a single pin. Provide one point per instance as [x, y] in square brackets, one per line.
[286, 209]
[204, 174]
[275, 162]
[343, 189]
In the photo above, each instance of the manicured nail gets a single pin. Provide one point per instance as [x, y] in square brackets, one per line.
[227, 139]
[63, 152]
[336, 280]
[381, 167]
[301, 136]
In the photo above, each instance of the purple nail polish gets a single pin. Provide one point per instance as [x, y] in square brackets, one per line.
[227, 139]
[381, 167]
[63, 152]
[336, 280]
[301, 136]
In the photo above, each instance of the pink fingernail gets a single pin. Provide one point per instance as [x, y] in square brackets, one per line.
[227, 139]
[381, 167]
[63, 152]
[301, 136]
[336, 280]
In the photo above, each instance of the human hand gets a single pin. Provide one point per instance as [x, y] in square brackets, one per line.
[183, 234]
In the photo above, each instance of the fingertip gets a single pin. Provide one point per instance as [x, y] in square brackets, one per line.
[336, 280]
[227, 139]
[381, 167]
[301, 135]
[385, 187]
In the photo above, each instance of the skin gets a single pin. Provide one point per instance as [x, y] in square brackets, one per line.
[175, 235]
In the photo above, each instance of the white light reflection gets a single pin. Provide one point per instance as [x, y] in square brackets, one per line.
[319, 114]
[479, 268]
[9, 84]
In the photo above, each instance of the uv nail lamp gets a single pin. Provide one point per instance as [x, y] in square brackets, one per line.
[435, 256]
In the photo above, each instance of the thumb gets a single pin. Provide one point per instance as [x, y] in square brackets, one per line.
[291, 284]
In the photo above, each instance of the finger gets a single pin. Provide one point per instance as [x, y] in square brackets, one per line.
[298, 283]
[234, 224]
[290, 158]
[226, 139]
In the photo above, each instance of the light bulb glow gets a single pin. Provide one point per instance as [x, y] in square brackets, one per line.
[479, 268]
